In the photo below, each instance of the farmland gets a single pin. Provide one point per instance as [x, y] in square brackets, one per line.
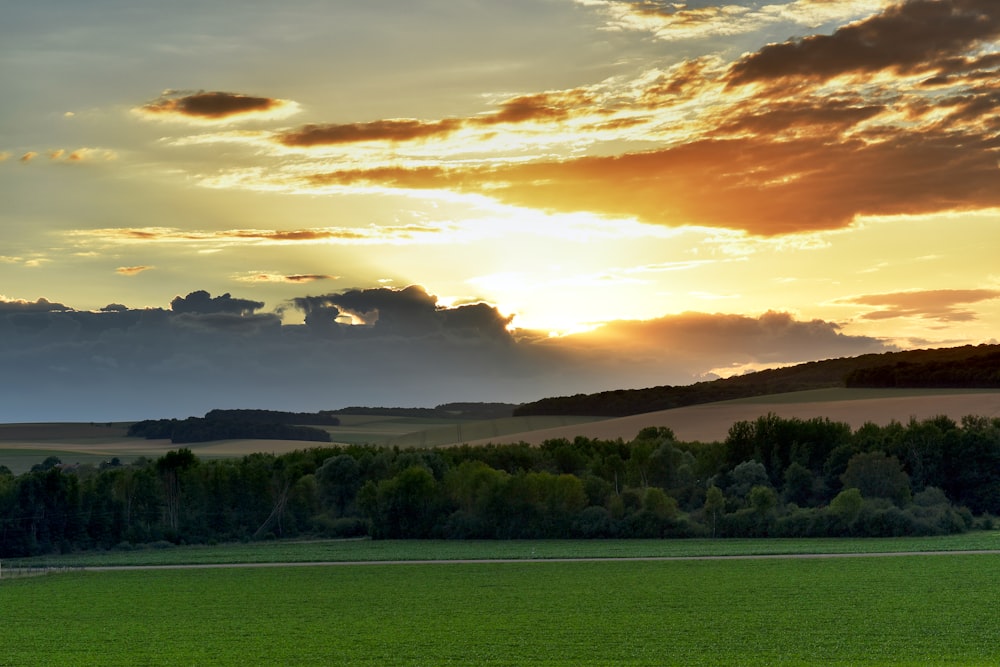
[900, 610]
[710, 422]
[365, 550]
[23, 445]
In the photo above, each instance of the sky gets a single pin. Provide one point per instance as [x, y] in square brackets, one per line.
[311, 204]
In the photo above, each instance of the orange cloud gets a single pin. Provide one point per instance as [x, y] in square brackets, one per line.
[539, 107]
[282, 278]
[804, 152]
[255, 236]
[763, 187]
[670, 20]
[943, 305]
[62, 155]
[131, 270]
[215, 106]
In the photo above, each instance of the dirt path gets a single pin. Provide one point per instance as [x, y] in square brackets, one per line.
[491, 561]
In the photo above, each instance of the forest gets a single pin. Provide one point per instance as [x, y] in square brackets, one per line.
[770, 477]
[235, 424]
[967, 366]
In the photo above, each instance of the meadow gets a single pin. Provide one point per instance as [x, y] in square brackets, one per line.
[905, 610]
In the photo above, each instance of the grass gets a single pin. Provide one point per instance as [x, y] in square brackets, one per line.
[914, 610]
[391, 550]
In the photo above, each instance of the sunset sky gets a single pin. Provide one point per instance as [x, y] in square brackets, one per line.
[311, 204]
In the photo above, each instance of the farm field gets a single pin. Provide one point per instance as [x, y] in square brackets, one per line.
[905, 610]
[365, 550]
[23, 445]
[710, 422]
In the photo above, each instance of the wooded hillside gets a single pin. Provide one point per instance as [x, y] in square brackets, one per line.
[968, 366]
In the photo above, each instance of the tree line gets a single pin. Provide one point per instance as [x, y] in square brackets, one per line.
[968, 366]
[980, 370]
[236, 424]
[769, 477]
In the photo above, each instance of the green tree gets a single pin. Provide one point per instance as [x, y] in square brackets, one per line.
[846, 506]
[171, 467]
[405, 505]
[763, 500]
[745, 476]
[715, 502]
[876, 475]
[799, 484]
[339, 479]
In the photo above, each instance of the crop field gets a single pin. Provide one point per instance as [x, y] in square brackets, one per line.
[428, 432]
[23, 445]
[710, 422]
[907, 610]
[357, 550]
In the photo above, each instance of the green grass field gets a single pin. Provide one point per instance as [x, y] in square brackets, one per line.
[914, 610]
[391, 550]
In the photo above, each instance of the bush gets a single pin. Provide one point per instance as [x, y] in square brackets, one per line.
[329, 526]
[594, 522]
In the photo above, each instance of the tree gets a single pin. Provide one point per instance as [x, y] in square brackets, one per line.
[170, 467]
[799, 484]
[876, 475]
[339, 479]
[847, 505]
[762, 500]
[715, 502]
[745, 476]
[404, 506]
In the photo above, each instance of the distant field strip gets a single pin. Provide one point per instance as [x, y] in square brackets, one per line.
[361, 550]
[710, 422]
[23, 445]
[844, 611]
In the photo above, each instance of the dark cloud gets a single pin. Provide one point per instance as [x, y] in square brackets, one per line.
[295, 278]
[477, 319]
[702, 339]
[202, 302]
[409, 310]
[910, 36]
[39, 306]
[549, 107]
[380, 130]
[946, 305]
[124, 364]
[210, 105]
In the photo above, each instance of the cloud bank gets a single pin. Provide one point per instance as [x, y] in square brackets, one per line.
[376, 346]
